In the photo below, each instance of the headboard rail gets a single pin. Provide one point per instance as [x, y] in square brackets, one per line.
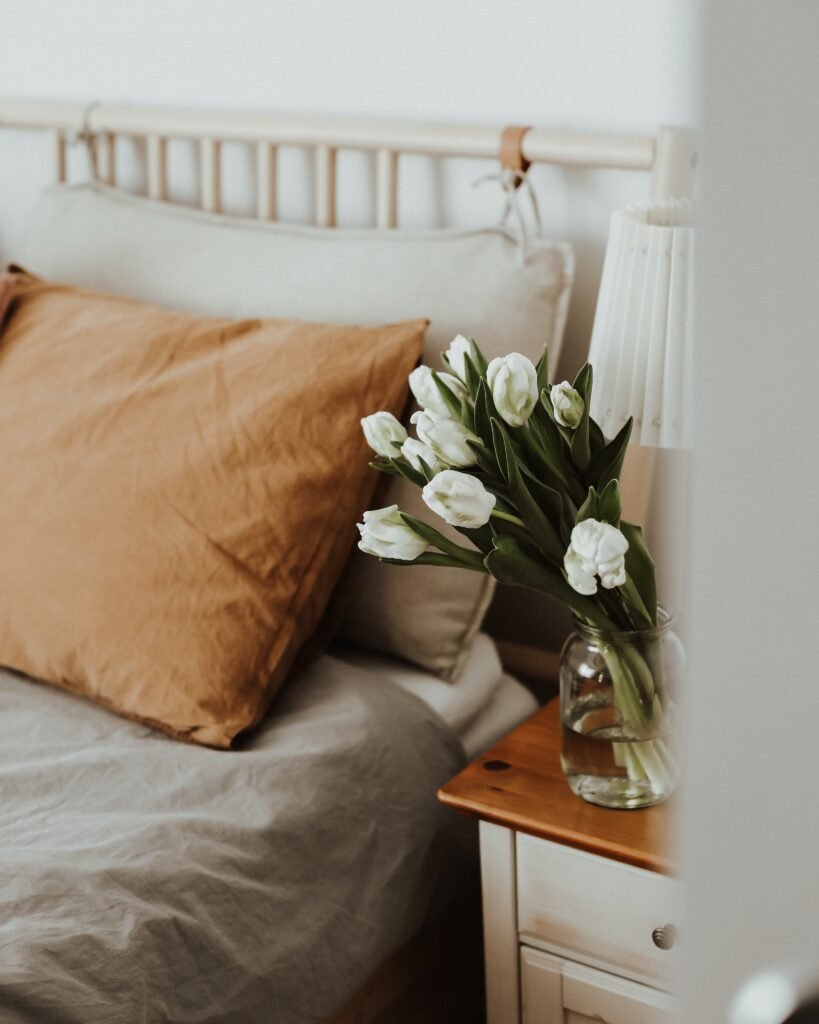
[669, 156]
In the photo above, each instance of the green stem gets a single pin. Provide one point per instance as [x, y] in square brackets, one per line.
[508, 517]
[639, 695]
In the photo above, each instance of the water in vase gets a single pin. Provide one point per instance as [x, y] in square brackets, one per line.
[607, 766]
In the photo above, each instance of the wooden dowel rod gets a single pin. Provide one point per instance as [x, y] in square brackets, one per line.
[325, 186]
[157, 167]
[59, 168]
[386, 188]
[106, 158]
[210, 158]
[266, 181]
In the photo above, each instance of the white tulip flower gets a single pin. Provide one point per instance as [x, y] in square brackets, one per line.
[423, 386]
[596, 550]
[455, 356]
[385, 534]
[567, 404]
[415, 451]
[513, 382]
[446, 437]
[460, 499]
[381, 430]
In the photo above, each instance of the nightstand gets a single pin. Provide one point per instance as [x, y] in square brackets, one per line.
[579, 902]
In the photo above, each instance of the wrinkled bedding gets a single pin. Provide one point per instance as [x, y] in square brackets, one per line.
[142, 879]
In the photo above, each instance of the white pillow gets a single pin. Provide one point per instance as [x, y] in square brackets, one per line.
[464, 282]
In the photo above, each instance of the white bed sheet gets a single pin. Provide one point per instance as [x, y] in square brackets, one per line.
[458, 703]
[509, 706]
[481, 706]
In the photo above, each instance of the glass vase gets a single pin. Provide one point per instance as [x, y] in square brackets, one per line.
[618, 714]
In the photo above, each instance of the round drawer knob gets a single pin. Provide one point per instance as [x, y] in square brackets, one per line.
[665, 937]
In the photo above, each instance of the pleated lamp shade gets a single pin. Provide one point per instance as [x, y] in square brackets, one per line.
[640, 347]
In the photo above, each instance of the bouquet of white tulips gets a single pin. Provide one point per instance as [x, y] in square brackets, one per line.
[523, 472]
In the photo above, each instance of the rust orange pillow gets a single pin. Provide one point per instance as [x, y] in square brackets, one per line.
[178, 496]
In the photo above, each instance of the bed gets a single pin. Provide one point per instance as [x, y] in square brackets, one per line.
[146, 879]
[159, 881]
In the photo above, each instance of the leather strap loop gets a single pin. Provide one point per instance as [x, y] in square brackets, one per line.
[511, 151]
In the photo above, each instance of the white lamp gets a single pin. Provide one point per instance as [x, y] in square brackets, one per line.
[640, 346]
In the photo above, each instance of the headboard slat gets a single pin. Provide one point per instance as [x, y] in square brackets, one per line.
[106, 158]
[386, 188]
[58, 156]
[266, 181]
[210, 155]
[157, 167]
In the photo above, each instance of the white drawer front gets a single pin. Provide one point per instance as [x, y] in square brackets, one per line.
[557, 991]
[595, 909]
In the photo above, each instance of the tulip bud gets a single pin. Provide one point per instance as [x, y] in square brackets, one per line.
[567, 404]
[415, 451]
[385, 535]
[423, 386]
[460, 499]
[455, 356]
[446, 437]
[513, 382]
[381, 430]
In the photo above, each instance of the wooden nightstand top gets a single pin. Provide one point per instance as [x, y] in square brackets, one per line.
[519, 784]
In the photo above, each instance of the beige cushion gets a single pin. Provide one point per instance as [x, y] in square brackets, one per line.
[465, 282]
[174, 510]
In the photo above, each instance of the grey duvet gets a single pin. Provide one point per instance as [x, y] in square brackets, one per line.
[142, 879]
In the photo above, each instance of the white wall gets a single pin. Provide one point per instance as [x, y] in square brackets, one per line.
[582, 63]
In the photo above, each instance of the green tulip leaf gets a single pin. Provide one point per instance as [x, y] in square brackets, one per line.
[399, 467]
[590, 507]
[608, 506]
[463, 555]
[385, 466]
[636, 605]
[581, 446]
[503, 528]
[452, 403]
[482, 537]
[484, 411]
[549, 432]
[551, 503]
[542, 369]
[510, 564]
[467, 416]
[541, 460]
[501, 444]
[472, 377]
[415, 476]
[427, 472]
[583, 383]
[480, 362]
[544, 534]
[487, 464]
[430, 558]
[640, 568]
[597, 439]
[608, 462]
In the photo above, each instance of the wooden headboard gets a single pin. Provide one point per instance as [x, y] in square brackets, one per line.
[668, 157]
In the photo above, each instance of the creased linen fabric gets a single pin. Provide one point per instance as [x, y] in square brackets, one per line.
[178, 496]
[143, 880]
[465, 281]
